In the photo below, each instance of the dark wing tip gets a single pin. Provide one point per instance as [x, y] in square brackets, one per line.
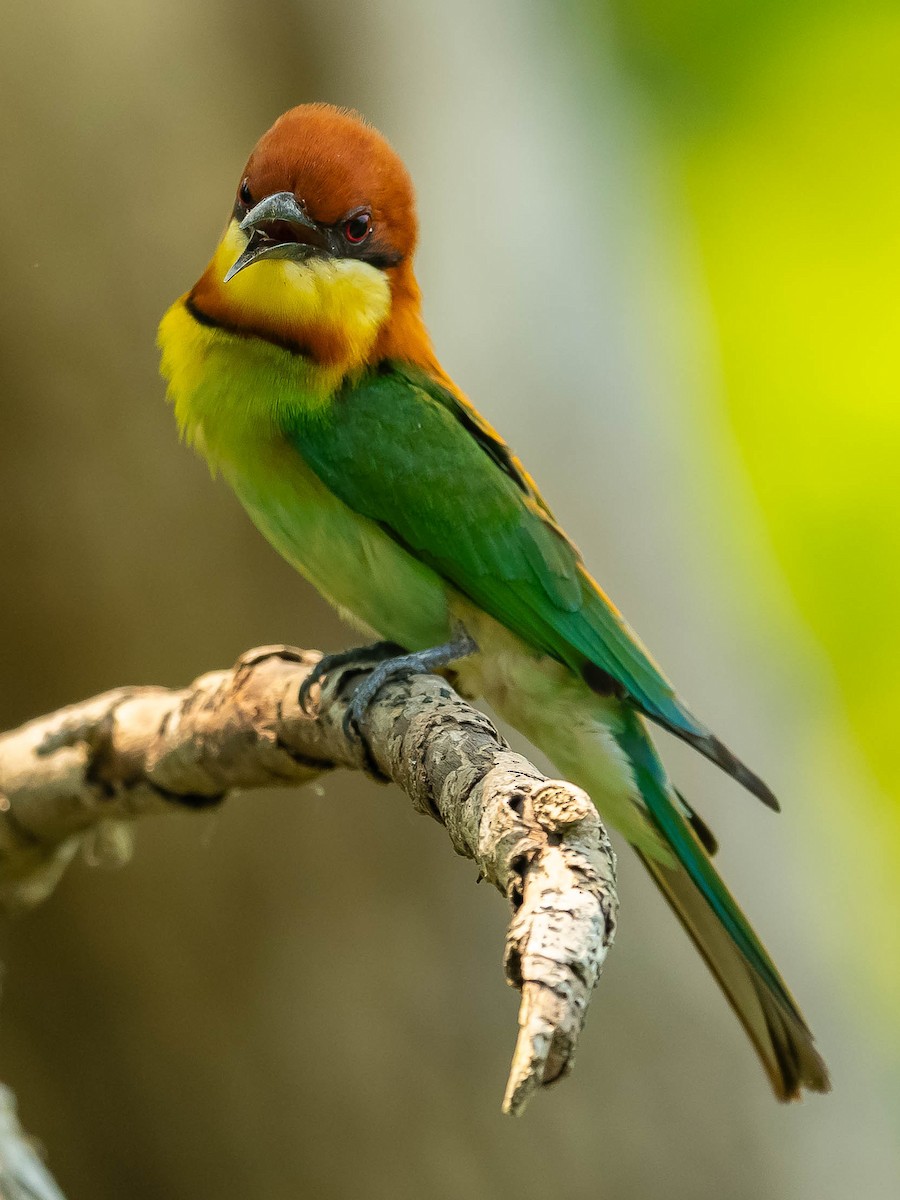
[708, 839]
[684, 725]
[719, 753]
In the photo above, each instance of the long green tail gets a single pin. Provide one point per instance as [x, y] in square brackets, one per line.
[722, 934]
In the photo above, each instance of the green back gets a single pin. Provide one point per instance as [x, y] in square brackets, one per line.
[400, 449]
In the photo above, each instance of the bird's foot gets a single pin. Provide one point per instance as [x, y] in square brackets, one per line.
[362, 656]
[402, 667]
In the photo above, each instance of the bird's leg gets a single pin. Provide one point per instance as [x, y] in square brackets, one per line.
[419, 663]
[363, 655]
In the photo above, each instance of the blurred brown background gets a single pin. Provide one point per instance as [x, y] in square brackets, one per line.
[241, 1013]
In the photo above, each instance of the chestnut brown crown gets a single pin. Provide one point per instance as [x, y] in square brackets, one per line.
[337, 166]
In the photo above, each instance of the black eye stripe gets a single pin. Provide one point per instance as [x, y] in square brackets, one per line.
[380, 256]
[357, 232]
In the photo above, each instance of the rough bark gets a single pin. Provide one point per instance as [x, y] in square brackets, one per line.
[81, 776]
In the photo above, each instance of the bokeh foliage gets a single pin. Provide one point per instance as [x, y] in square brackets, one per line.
[780, 125]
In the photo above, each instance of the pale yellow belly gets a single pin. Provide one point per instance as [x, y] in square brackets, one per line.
[359, 568]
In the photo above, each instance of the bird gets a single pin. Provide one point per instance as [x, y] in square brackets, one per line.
[300, 367]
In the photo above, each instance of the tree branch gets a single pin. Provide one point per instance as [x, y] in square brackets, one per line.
[80, 776]
[23, 1175]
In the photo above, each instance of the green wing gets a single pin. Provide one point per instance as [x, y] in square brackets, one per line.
[406, 452]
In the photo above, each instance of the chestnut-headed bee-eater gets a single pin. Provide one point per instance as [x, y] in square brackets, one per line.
[300, 367]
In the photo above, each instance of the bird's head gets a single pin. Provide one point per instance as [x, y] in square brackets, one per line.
[317, 255]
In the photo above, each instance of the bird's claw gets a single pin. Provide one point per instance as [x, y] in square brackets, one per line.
[357, 739]
[368, 689]
[396, 668]
[350, 727]
[390, 662]
[329, 663]
[402, 666]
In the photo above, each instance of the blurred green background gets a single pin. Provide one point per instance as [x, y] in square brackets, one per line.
[660, 250]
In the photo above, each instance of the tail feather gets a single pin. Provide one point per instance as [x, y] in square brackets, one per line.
[718, 928]
[774, 1025]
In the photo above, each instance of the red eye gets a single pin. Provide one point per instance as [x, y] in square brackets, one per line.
[244, 194]
[358, 228]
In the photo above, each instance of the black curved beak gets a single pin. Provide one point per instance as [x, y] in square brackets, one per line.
[279, 228]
